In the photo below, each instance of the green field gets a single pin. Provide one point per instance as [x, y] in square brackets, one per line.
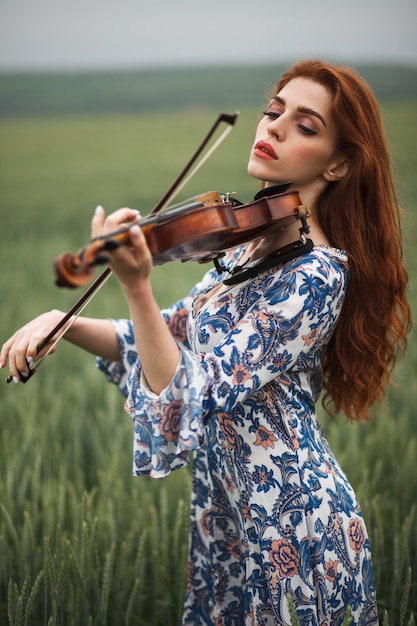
[139, 91]
[82, 541]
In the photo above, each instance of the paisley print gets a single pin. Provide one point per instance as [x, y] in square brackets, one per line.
[275, 525]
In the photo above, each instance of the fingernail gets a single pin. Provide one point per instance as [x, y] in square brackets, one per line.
[15, 380]
[29, 359]
[24, 374]
[98, 209]
[135, 230]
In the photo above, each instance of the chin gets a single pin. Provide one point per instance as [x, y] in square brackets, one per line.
[257, 172]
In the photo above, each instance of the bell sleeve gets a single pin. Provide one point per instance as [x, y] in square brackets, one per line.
[176, 317]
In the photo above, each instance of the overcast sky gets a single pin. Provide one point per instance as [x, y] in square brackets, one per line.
[88, 34]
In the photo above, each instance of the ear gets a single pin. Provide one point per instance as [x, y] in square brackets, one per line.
[337, 169]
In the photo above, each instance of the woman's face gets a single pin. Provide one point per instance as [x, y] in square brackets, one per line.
[296, 140]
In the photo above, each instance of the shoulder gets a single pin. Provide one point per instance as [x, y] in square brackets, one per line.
[322, 260]
[321, 274]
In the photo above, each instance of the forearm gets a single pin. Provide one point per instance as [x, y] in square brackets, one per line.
[96, 336]
[159, 353]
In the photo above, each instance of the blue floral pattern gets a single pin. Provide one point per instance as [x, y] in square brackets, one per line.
[274, 521]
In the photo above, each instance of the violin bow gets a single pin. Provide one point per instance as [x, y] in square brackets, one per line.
[182, 180]
[178, 184]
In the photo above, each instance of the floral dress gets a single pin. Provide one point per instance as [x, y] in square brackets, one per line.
[275, 526]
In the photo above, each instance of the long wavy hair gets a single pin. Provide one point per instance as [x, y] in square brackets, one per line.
[360, 214]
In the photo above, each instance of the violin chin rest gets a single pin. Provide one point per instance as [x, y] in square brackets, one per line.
[272, 191]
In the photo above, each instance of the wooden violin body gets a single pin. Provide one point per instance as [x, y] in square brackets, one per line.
[203, 229]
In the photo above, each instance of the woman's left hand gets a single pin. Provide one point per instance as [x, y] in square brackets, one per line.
[131, 264]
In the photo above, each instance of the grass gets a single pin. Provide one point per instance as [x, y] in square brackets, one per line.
[81, 541]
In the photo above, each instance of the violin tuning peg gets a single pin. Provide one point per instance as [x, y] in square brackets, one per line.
[111, 244]
[102, 259]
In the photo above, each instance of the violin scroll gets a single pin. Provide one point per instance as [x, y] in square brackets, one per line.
[67, 270]
[76, 270]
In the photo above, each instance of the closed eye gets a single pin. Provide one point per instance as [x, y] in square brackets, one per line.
[306, 130]
[272, 114]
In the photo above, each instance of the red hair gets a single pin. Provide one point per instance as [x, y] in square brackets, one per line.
[360, 214]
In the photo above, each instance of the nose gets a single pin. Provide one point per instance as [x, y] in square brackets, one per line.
[276, 127]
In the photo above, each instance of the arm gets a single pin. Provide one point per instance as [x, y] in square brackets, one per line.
[92, 335]
[158, 350]
[95, 336]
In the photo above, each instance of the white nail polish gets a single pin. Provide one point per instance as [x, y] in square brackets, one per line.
[15, 380]
[98, 209]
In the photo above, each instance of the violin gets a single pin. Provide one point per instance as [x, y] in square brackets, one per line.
[200, 230]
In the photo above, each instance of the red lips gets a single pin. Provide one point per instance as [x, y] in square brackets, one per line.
[265, 151]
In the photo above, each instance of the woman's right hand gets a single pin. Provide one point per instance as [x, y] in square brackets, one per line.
[20, 350]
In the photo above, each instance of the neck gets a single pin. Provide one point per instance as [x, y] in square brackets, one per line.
[266, 245]
[279, 239]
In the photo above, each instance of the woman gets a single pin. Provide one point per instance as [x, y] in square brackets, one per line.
[232, 373]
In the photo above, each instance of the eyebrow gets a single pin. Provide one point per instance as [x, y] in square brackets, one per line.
[304, 110]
